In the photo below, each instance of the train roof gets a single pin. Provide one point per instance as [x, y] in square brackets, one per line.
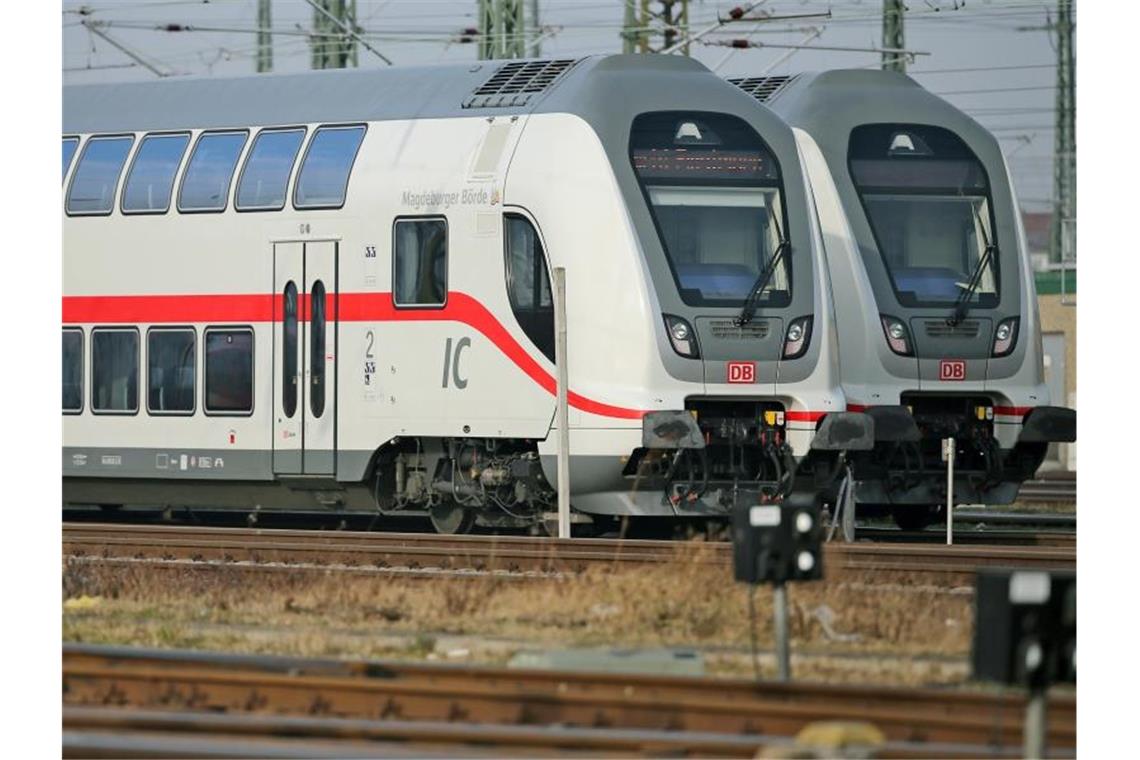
[484, 88]
[828, 104]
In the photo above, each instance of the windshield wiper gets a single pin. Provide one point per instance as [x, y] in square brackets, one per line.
[962, 305]
[749, 309]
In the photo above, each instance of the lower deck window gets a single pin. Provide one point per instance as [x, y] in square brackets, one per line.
[170, 371]
[229, 370]
[72, 370]
[115, 371]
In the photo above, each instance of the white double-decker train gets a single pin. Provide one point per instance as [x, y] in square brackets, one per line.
[332, 290]
[933, 288]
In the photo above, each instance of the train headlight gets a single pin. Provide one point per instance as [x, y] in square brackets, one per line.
[898, 337]
[798, 338]
[682, 336]
[1005, 336]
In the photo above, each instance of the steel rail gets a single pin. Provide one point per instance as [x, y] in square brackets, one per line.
[214, 682]
[102, 731]
[414, 551]
[1062, 490]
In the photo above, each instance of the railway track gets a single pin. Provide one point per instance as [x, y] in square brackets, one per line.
[1058, 490]
[427, 554]
[181, 694]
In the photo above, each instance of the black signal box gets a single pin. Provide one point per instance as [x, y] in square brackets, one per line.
[776, 543]
[1025, 627]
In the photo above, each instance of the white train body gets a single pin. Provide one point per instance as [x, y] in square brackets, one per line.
[403, 399]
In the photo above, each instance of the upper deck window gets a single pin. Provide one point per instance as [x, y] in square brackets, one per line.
[150, 180]
[69, 146]
[419, 262]
[715, 194]
[323, 181]
[927, 200]
[206, 184]
[266, 174]
[97, 175]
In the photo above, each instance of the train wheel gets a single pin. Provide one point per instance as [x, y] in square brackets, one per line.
[451, 519]
[914, 516]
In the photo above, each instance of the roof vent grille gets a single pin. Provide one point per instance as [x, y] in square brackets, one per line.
[761, 88]
[514, 83]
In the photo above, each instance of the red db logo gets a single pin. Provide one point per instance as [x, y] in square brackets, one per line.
[952, 369]
[742, 372]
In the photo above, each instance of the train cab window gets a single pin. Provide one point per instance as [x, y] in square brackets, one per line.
[72, 371]
[170, 362]
[928, 204]
[266, 173]
[69, 146]
[150, 179]
[114, 370]
[528, 283]
[206, 184]
[229, 371]
[96, 176]
[323, 180]
[716, 195]
[419, 262]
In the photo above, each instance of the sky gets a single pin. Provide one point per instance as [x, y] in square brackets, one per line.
[982, 55]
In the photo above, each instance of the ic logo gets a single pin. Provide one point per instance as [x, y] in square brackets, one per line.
[741, 372]
[952, 369]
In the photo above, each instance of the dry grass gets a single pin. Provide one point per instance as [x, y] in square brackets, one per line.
[924, 632]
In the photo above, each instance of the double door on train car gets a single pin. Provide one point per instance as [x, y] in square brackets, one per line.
[304, 357]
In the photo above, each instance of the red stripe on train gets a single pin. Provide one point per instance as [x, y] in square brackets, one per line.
[1005, 411]
[351, 307]
[1013, 411]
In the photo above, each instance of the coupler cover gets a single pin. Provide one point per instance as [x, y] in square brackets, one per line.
[845, 431]
[671, 430]
[894, 424]
[1049, 424]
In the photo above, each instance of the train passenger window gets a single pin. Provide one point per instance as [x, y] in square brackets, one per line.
[419, 262]
[72, 371]
[323, 181]
[266, 172]
[206, 184]
[170, 361]
[528, 283]
[97, 175]
[289, 350]
[150, 180]
[114, 371]
[69, 146]
[317, 349]
[229, 370]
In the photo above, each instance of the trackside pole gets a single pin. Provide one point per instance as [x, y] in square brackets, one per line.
[780, 603]
[563, 412]
[948, 454]
[1034, 738]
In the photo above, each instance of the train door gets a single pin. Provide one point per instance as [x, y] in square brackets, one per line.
[304, 358]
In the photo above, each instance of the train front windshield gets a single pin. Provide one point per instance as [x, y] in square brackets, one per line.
[714, 190]
[927, 200]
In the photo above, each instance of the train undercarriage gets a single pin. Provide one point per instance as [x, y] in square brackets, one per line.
[905, 473]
